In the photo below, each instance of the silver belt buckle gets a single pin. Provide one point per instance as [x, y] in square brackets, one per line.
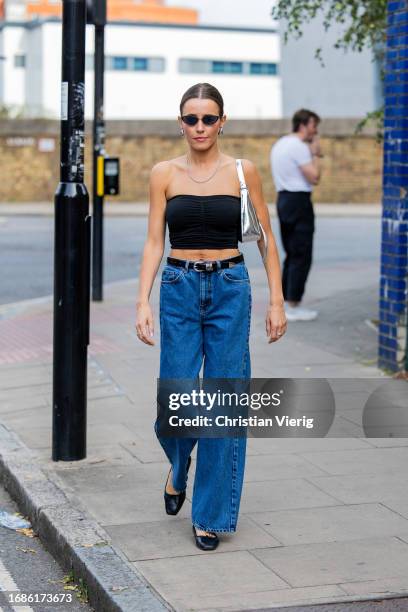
[208, 265]
[199, 261]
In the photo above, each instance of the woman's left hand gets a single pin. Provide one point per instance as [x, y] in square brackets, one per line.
[276, 323]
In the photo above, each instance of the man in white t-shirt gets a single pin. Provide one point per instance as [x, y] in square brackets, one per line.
[295, 165]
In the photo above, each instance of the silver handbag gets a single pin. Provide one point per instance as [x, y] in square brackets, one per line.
[251, 227]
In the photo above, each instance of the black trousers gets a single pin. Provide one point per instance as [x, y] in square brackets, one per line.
[296, 217]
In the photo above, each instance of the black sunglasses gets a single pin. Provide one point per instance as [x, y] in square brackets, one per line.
[207, 119]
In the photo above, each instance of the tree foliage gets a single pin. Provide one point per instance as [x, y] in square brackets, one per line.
[363, 22]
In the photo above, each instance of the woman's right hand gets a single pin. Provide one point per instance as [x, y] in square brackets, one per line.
[144, 323]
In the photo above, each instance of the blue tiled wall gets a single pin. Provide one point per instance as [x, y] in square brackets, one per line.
[394, 247]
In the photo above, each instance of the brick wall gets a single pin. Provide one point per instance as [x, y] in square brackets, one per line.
[394, 260]
[30, 171]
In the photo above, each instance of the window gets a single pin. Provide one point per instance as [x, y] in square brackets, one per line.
[119, 63]
[156, 64]
[19, 61]
[194, 66]
[136, 64]
[210, 66]
[263, 68]
[205, 66]
[139, 63]
[226, 67]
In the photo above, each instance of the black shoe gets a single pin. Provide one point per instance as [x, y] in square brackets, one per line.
[206, 542]
[173, 502]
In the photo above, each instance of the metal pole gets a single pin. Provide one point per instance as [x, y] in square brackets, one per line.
[98, 151]
[71, 250]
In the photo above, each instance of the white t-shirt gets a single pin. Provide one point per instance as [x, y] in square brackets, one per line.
[287, 154]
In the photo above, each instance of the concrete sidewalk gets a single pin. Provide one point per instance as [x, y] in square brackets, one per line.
[131, 209]
[321, 520]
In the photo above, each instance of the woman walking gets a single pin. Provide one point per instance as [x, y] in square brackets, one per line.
[205, 299]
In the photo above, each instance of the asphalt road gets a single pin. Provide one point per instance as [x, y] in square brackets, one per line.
[26, 568]
[27, 245]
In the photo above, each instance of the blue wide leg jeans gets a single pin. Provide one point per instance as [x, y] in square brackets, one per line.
[205, 321]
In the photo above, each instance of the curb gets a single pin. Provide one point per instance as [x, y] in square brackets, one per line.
[72, 537]
[15, 308]
[141, 209]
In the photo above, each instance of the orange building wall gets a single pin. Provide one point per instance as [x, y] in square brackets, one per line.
[43, 8]
[127, 10]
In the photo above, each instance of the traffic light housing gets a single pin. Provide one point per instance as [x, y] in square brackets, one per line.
[108, 175]
[111, 176]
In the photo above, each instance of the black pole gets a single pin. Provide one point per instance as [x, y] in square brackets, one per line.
[71, 250]
[98, 150]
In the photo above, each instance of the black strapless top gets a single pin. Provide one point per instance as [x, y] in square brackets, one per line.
[204, 222]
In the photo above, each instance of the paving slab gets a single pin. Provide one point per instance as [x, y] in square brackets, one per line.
[265, 446]
[143, 451]
[279, 494]
[365, 488]
[337, 562]
[133, 477]
[39, 437]
[399, 505]
[277, 467]
[381, 586]
[267, 599]
[205, 574]
[364, 461]
[172, 538]
[387, 442]
[331, 523]
[128, 506]
[106, 454]
[342, 428]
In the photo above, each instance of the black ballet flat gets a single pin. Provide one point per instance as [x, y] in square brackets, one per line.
[173, 502]
[206, 542]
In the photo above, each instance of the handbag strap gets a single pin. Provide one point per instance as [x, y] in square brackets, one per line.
[241, 175]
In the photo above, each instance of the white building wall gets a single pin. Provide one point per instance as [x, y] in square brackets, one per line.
[15, 9]
[157, 95]
[51, 68]
[36, 104]
[13, 78]
[348, 85]
[151, 95]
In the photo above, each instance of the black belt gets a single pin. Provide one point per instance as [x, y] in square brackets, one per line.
[204, 265]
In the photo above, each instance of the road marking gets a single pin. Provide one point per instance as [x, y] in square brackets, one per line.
[7, 584]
